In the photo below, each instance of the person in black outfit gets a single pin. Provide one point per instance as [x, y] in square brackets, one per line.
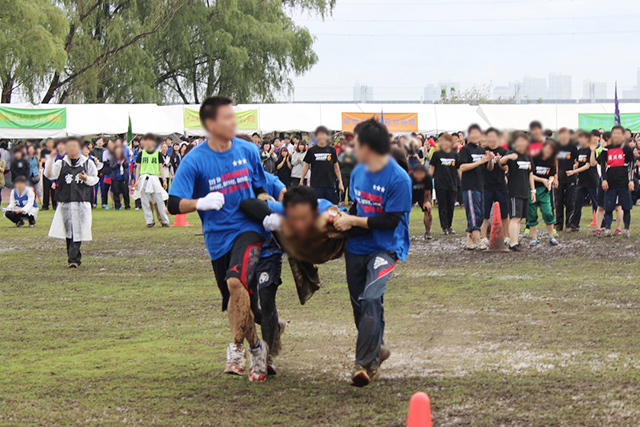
[47, 192]
[120, 179]
[443, 170]
[587, 173]
[565, 193]
[520, 185]
[323, 162]
[495, 186]
[422, 186]
[284, 166]
[19, 165]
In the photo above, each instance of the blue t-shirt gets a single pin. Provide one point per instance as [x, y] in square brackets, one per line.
[388, 190]
[273, 187]
[234, 173]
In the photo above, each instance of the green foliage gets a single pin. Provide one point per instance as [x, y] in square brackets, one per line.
[32, 36]
[153, 50]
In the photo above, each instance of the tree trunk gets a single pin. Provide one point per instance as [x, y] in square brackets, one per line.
[7, 91]
[53, 86]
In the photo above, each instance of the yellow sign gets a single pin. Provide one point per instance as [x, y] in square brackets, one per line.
[395, 122]
[247, 120]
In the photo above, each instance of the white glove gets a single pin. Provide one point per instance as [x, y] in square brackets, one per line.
[272, 222]
[211, 202]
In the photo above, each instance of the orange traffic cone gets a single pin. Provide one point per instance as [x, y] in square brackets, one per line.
[496, 239]
[593, 223]
[181, 221]
[419, 411]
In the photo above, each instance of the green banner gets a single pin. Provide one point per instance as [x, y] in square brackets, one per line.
[607, 121]
[247, 120]
[25, 118]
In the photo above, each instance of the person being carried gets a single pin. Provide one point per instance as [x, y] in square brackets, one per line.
[22, 204]
[76, 177]
[149, 171]
[213, 179]
[382, 193]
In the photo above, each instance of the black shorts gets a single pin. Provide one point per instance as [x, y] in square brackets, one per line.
[240, 263]
[518, 208]
[269, 271]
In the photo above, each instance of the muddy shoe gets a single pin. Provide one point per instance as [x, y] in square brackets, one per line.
[626, 234]
[428, 236]
[385, 353]
[451, 231]
[258, 362]
[235, 360]
[151, 225]
[277, 339]
[360, 377]
[271, 367]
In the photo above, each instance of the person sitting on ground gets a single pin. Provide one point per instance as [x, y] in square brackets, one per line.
[22, 204]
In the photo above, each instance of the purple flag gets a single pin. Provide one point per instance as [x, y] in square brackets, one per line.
[617, 112]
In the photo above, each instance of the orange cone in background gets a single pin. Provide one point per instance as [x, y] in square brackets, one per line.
[181, 221]
[496, 239]
[419, 411]
[593, 223]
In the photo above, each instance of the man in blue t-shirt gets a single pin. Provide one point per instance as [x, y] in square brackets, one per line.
[214, 179]
[382, 192]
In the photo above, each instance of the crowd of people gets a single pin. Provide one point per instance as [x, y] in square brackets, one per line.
[259, 198]
[466, 170]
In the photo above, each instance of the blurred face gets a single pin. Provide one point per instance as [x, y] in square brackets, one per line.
[85, 151]
[100, 142]
[110, 145]
[31, 151]
[564, 137]
[20, 186]
[363, 152]
[73, 149]
[266, 147]
[455, 138]
[277, 143]
[547, 151]
[148, 144]
[164, 148]
[18, 154]
[256, 139]
[284, 151]
[521, 145]
[536, 133]
[49, 144]
[62, 147]
[300, 218]
[627, 134]
[224, 125]
[474, 136]
[419, 175]
[322, 138]
[493, 140]
[445, 145]
[617, 136]
[583, 140]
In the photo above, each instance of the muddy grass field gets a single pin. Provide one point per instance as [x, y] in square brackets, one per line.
[545, 337]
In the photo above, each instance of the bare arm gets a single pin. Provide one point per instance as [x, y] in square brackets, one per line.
[305, 169]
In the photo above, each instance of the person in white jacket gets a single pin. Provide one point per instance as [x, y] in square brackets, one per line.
[151, 181]
[22, 204]
[76, 177]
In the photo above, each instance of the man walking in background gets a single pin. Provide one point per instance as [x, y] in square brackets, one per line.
[322, 160]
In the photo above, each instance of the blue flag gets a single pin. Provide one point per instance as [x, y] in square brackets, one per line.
[617, 112]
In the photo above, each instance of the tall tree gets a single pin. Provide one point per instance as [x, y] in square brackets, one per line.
[32, 44]
[246, 49]
[107, 59]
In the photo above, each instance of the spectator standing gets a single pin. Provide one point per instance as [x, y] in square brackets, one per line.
[268, 157]
[347, 161]
[284, 166]
[297, 163]
[322, 160]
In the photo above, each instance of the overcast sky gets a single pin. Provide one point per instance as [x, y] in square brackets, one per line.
[398, 47]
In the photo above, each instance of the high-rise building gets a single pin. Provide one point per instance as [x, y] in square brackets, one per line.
[362, 93]
[432, 93]
[559, 87]
[594, 91]
[533, 89]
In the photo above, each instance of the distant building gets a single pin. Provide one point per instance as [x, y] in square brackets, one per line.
[432, 93]
[533, 89]
[633, 93]
[362, 93]
[559, 87]
[594, 91]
